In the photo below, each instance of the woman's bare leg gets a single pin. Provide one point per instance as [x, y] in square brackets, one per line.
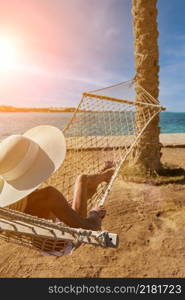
[85, 187]
[42, 202]
[79, 203]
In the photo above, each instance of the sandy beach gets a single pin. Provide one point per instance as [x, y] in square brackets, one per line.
[149, 220]
[172, 139]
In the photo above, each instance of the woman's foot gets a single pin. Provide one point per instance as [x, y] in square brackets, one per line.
[108, 165]
[94, 180]
[96, 216]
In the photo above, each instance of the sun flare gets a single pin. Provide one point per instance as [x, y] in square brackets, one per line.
[8, 53]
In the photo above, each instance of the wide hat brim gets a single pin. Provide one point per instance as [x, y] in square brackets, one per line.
[50, 156]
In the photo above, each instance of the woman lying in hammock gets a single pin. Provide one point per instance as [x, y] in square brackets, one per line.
[48, 202]
[28, 160]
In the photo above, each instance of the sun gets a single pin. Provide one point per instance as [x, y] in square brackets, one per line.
[8, 53]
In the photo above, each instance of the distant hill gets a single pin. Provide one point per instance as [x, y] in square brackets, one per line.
[4, 108]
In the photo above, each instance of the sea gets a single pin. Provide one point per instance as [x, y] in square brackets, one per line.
[19, 122]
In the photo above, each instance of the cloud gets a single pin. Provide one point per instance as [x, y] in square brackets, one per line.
[172, 76]
[71, 46]
[79, 45]
[172, 88]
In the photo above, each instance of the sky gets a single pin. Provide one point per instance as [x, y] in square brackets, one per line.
[58, 49]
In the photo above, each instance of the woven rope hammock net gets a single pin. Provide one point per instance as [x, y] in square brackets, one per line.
[106, 126]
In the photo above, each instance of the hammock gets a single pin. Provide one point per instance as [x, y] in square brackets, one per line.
[103, 128]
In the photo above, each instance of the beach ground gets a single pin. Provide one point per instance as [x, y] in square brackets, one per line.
[150, 221]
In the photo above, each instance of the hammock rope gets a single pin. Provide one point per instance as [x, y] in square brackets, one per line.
[103, 128]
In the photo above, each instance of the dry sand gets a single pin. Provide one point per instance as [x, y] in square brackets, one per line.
[173, 139]
[150, 221]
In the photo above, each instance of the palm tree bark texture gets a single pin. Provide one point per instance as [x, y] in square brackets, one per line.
[145, 157]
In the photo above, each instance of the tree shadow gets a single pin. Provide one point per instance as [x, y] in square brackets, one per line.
[169, 174]
[166, 175]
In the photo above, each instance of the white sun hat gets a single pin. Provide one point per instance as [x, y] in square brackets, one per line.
[28, 160]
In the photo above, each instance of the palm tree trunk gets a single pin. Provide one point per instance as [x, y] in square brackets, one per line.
[146, 156]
